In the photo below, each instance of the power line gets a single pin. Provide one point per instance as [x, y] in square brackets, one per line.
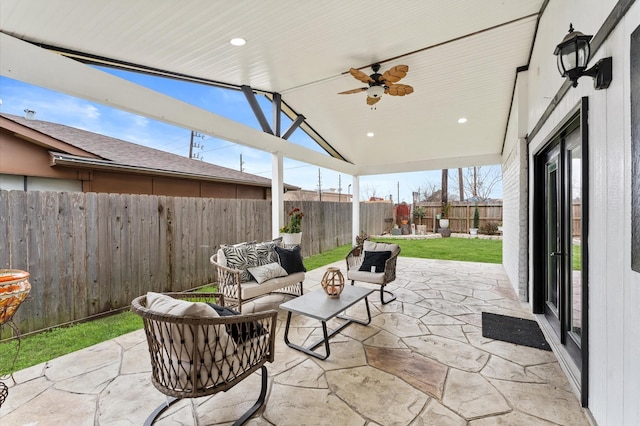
[220, 147]
[172, 142]
[286, 168]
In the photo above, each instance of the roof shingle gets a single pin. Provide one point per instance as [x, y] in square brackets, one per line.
[130, 154]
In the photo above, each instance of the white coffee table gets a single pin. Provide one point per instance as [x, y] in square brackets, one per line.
[317, 305]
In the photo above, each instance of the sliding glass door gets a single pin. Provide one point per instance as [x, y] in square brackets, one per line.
[560, 282]
[552, 238]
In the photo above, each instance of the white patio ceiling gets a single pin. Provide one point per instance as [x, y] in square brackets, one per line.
[462, 57]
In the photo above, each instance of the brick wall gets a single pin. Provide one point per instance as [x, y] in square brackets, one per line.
[514, 217]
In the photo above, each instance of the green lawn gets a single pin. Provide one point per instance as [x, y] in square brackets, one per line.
[576, 258]
[470, 250]
[42, 347]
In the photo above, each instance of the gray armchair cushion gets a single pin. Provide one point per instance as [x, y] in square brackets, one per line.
[366, 277]
[373, 246]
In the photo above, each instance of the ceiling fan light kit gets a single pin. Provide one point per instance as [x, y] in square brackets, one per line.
[375, 91]
[380, 84]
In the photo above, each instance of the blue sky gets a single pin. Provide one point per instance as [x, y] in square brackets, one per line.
[56, 107]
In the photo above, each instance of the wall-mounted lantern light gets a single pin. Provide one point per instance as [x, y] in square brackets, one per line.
[573, 56]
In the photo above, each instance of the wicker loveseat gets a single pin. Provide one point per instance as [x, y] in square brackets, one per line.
[199, 349]
[248, 271]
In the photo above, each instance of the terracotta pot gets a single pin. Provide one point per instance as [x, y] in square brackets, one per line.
[14, 288]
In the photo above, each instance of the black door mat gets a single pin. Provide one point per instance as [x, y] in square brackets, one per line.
[514, 330]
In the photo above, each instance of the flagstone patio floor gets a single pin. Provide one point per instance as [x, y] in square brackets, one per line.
[421, 361]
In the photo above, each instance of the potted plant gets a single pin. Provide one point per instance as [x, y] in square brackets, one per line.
[476, 221]
[292, 231]
[444, 218]
[419, 212]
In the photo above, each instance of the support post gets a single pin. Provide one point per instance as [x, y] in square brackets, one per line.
[277, 194]
[355, 210]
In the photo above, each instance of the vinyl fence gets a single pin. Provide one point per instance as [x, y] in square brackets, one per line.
[89, 254]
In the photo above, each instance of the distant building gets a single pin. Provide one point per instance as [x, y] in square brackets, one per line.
[43, 156]
[310, 195]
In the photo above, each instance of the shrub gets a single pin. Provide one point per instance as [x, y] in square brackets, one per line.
[476, 218]
[490, 228]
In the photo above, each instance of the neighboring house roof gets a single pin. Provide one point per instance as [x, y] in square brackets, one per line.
[121, 155]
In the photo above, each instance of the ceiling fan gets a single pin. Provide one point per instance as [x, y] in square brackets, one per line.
[380, 84]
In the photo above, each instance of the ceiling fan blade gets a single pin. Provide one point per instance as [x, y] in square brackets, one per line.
[348, 92]
[359, 75]
[371, 101]
[394, 74]
[399, 90]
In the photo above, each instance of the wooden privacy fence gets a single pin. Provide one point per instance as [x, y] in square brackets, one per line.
[89, 253]
[461, 215]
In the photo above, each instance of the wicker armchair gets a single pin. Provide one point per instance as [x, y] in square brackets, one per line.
[356, 257]
[194, 356]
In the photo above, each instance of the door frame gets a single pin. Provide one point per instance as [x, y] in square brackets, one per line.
[579, 114]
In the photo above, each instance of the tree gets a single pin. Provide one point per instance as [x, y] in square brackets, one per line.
[428, 192]
[479, 182]
[369, 192]
[432, 192]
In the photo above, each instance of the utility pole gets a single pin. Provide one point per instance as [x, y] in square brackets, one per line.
[319, 186]
[475, 181]
[445, 186]
[241, 164]
[398, 191]
[461, 183]
[339, 187]
[195, 144]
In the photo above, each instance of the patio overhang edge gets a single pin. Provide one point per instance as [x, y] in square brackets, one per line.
[27, 62]
[435, 164]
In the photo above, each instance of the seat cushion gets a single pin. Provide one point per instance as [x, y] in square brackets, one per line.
[252, 288]
[366, 277]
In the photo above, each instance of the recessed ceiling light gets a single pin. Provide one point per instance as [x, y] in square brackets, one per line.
[238, 41]
[462, 120]
[371, 134]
